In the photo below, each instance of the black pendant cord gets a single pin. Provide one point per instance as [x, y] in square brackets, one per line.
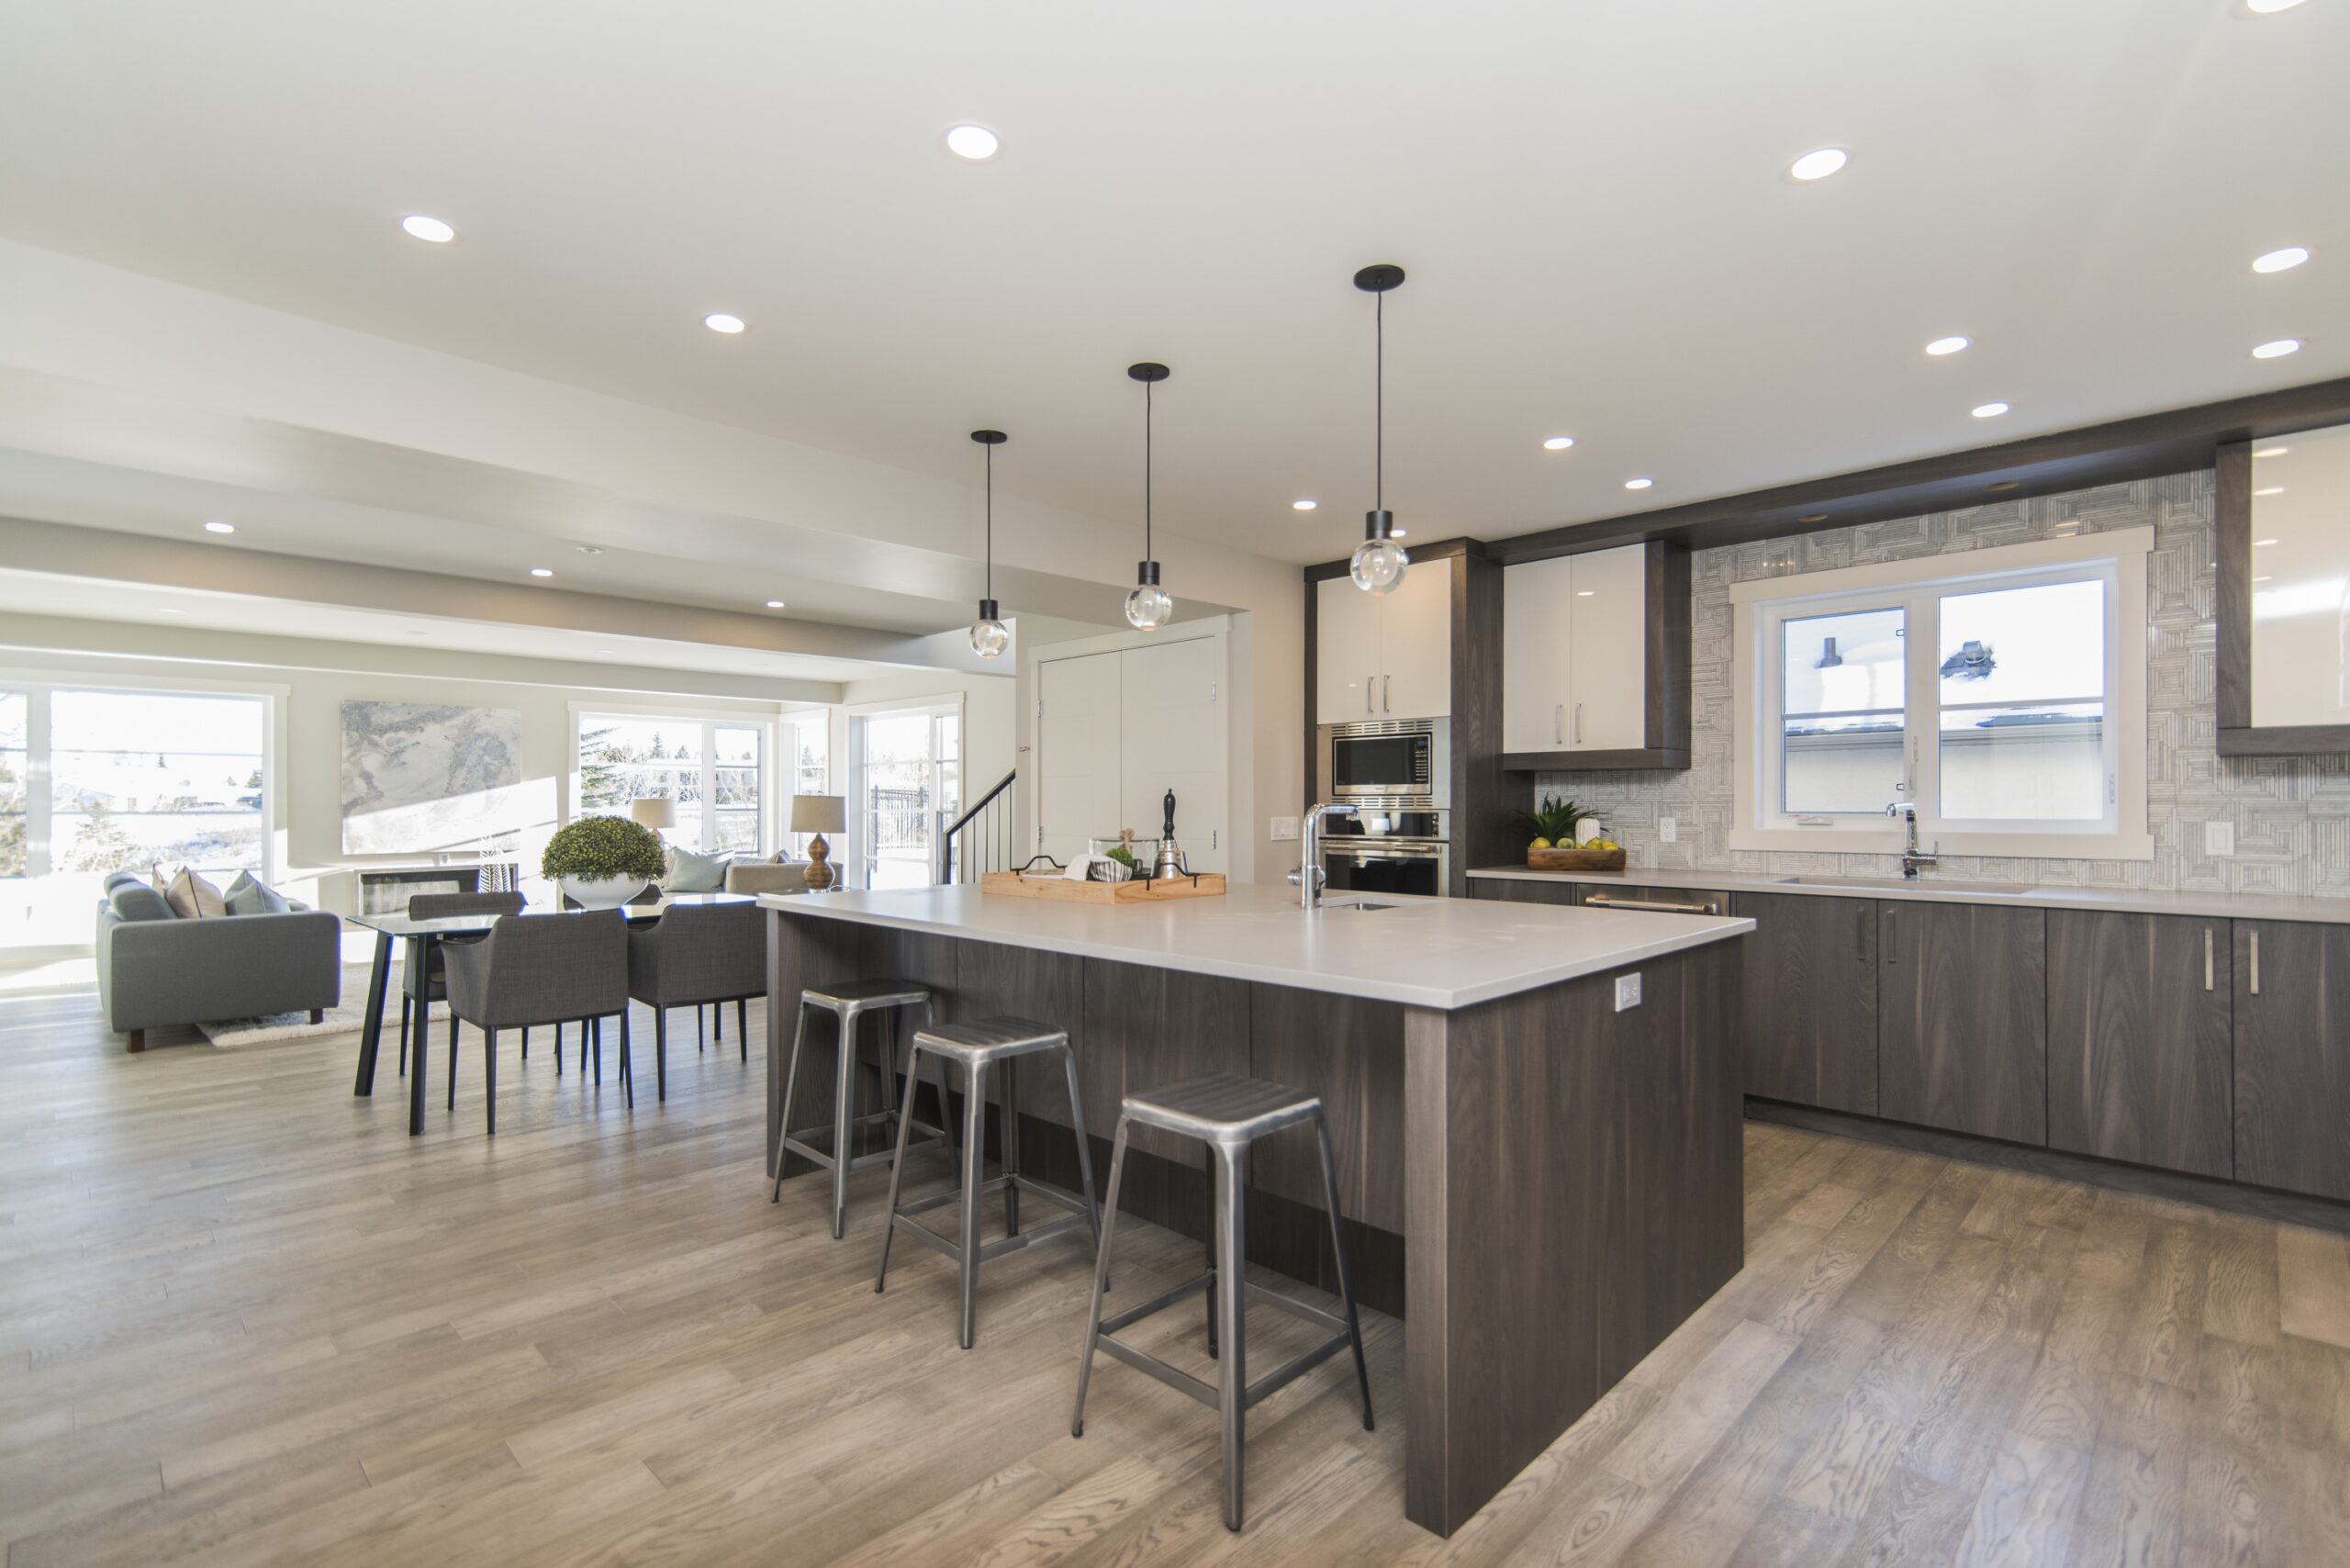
[1147, 387]
[991, 593]
[1379, 402]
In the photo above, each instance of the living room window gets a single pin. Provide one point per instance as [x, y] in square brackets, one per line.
[808, 737]
[713, 769]
[1993, 692]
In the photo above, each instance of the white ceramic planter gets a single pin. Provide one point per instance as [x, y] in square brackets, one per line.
[601, 892]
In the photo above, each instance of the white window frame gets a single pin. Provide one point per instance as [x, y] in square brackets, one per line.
[854, 853]
[1760, 609]
[787, 738]
[710, 720]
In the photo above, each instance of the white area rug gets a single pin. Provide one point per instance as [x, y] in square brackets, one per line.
[344, 1018]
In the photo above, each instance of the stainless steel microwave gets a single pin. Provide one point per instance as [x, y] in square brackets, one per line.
[1402, 763]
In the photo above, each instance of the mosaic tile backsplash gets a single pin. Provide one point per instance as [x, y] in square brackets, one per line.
[2292, 814]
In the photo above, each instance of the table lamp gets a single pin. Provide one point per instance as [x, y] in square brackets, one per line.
[819, 814]
[654, 811]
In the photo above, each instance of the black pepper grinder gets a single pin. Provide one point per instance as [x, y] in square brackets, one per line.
[1171, 858]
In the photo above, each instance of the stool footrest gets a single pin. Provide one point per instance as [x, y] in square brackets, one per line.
[903, 1219]
[797, 1143]
[1281, 1377]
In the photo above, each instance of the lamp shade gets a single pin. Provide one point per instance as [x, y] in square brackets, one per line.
[819, 814]
[655, 812]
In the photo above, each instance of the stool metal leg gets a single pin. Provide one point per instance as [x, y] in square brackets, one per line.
[1084, 1150]
[1207, 1177]
[975, 1106]
[1231, 1302]
[843, 1096]
[790, 1082]
[1101, 1281]
[1008, 1136]
[897, 1180]
[1346, 1275]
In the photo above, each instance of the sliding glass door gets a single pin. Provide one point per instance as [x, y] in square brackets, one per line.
[910, 788]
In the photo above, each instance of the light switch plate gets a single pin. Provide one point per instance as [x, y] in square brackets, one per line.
[1627, 992]
[2219, 838]
[1668, 830]
[1284, 827]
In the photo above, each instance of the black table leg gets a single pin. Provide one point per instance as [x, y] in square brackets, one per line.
[370, 1029]
[418, 980]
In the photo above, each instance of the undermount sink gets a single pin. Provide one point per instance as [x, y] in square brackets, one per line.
[1358, 903]
[1919, 884]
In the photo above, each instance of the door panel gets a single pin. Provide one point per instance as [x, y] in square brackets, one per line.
[1537, 599]
[1809, 1004]
[1346, 652]
[1962, 1019]
[1607, 633]
[2292, 1066]
[1077, 745]
[1173, 736]
[2139, 1039]
[1415, 645]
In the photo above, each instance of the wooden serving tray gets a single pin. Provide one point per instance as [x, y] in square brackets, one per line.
[1575, 859]
[1019, 884]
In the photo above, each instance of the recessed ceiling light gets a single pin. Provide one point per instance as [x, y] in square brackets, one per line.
[2269, 579]
[1302, 506]
[167, 610]
[542, 571]
[216, 526]
[775, 604]
[2262, 544]
[605, 651]
[1988, 411]
[1558, 444]
[1584, 593]
[2271, 491]
[1638, 484]
[416, 634]
[2282, 261]
[2269, 7]
[430, 230]
[720, 321]
[2277, 349]
[1819, 164]
[1950, 344]
[589, 549]
[976, 143]
[2272, 452]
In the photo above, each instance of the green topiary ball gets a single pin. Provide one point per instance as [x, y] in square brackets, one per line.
[595, 847]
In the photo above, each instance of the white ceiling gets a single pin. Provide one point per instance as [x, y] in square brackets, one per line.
[1589, 198]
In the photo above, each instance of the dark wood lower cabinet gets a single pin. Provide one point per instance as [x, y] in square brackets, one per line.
[1962, 1019]
[1514, 891]
[2292, 1057]
[2139, 1039]
[1809, 1004]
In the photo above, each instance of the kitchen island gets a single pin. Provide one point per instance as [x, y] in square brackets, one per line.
[1536, 1112]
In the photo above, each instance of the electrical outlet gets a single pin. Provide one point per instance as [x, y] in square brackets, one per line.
[2219, 838]
[1627, 992]
[1668, 830]
[1284, 828]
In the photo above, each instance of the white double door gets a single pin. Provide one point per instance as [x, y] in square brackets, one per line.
[1116, 731]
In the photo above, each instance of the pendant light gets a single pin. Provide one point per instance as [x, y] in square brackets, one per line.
[990, 637]
[1379, 562]
[1148, 607]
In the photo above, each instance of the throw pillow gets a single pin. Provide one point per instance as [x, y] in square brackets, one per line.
[134, 900]
[247, 895]
[784, 857]
[191, 896]
[692, 873]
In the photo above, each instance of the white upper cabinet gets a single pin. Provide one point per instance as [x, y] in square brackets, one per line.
[1574, 673]
[1385, 655]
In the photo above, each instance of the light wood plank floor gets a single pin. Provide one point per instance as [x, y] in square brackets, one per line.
[244, 1319]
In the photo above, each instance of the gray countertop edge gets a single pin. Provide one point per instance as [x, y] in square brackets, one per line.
[2118, 900]
[1441, 999]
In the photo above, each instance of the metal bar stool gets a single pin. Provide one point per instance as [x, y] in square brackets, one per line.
[976, 1048]
[1227, 1112]
[849, 1002]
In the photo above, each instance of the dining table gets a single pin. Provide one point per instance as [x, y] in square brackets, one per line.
[416, 967]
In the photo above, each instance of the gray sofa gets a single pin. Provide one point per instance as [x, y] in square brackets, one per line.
[155, 968]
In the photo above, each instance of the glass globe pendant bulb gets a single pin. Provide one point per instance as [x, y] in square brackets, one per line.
[1378, 566]
[990, 636]
[1149, 607]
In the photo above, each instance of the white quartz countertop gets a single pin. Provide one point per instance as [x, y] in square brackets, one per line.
[1926, 888]
[1440, 953]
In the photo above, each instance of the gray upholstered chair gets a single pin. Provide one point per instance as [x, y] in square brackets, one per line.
[696, 954]
[539, 968]
[437, 906]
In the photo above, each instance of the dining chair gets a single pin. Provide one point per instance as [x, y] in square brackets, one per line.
[439, 906]
[541, 968]
[696, 954]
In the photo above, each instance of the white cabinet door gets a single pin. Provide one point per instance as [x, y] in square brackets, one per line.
[1078, 743]
[1415, 645]
[1606, 635]
[1346, 652]
[1173, 736]
[1538, 601]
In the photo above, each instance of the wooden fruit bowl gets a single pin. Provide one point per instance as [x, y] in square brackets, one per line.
[1575, 859]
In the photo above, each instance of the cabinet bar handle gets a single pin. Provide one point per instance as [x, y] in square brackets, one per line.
[2255, 963]
[1861, 935]
[1578, 723]
[1559, 723]
[1891, 950]
[2207, 957]
[1387, 694]
[1369, 684]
